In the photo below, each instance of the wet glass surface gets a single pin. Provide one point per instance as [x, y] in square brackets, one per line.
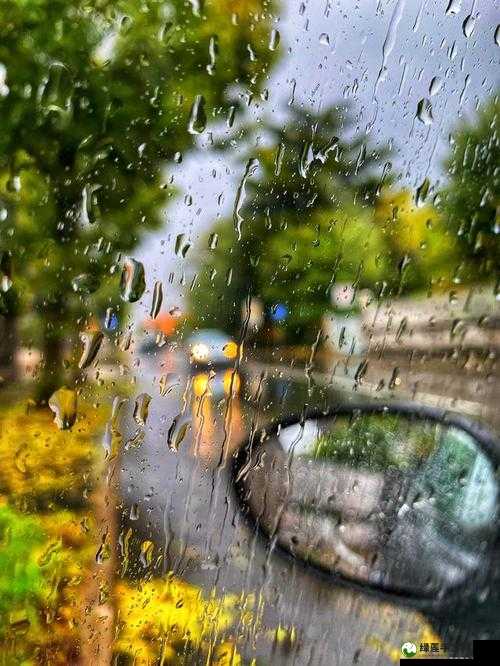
[214, 215]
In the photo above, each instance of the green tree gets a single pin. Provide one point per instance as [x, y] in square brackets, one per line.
[421, 252]
[471, 199]
[308, 191]
[95, 98]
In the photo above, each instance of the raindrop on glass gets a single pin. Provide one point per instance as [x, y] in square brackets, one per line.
[92, 341]
[133, 283]
[141, 408]
[424, 112]
[63, 403]
[177, 432]
[157, 300]
[197, 117]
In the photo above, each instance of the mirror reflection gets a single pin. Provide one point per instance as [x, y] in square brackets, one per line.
[402, 503]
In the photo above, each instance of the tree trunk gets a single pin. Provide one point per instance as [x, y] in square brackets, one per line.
[8, 345]
[51, 374]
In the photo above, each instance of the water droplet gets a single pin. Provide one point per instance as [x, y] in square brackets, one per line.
[274, 40]
[164, 33]
[197, 117]
[103, 552]
[435, 85]
[424, 112]
[136, 440]
[50, 553]
[57, 90]
[251, 53]
[20, 459]
[395, 379]
[175, 312]
[231, 114]
[90, 204]
[167, 383]
[116, 408]
[178, 431]
[112, 438]
[92, 341]
[146, 556]
[196, 7]
[133, 283]
[85, 283]
[157, 300]
[134, 512]
[213, 239]
[250, 169]
[454, 7]
[14, 183]
[4, 88]
[213, 52]
[468, 25]
[324, 39]
[63, 403]
[5, 272]
[179, 244]
[422, 192]
[141, 408]
[278, 160]
[126, 341]
[306, 159]
[110, 320]
[497, 35]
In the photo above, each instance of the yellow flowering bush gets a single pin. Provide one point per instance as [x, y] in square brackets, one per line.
[46, 479]
[163, 620]
[42, 466]
[47, 530]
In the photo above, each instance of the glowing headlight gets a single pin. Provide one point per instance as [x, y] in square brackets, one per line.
[230, 350]
[200, 384]
[200, 352]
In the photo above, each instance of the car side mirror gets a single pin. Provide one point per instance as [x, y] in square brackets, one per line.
[396, 499]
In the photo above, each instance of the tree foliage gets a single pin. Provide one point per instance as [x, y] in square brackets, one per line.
[322, 210]
[291, 239]
[420, 251]
[95, 98]
[471, 199]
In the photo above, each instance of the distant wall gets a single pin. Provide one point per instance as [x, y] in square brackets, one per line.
[469, 320]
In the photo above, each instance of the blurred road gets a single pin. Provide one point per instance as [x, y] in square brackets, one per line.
[182, 500]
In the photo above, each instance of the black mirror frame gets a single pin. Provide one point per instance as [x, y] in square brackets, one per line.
[487, 441]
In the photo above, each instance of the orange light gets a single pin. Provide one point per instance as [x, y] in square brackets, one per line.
[232, 382]
[230, 350]
[200, 384]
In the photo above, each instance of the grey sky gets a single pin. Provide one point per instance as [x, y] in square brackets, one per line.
[334, 52]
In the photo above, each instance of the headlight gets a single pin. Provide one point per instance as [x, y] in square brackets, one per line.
[230, 350]
[200, 352]
[200, 384]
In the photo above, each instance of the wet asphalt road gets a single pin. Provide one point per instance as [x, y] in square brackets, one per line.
[183, 501]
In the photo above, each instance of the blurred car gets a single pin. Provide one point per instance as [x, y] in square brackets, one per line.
[211, 348]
